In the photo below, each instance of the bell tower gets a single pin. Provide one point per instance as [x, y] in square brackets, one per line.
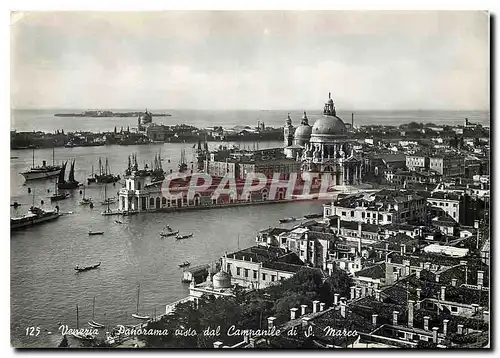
[288, 132]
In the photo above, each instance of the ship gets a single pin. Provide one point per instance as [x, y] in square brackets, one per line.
[104, 175]
[71, 183]
[43, 171]
[34, 217]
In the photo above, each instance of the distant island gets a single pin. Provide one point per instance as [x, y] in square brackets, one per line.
[109, 114]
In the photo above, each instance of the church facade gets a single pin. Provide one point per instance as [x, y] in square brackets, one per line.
[324, 147]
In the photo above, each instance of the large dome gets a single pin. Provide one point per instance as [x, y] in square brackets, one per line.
[145, 118]
[329, 125]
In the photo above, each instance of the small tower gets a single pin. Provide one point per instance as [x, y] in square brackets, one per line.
[288, 131]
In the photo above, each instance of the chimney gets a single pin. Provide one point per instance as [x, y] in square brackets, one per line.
[342, 310]
[486, 316]
[445, 326]
[270, 322]
[359, 231]
[396, 276]
[480, 278]
[410, 313]
[321, 306]
[387, 247]
[305, 322]
[419, 291]
[403, 249]
[417, 273]
[460, 329]
[454, 282]
[435, 334]
[475, 307]
[437, 278]
[353, 293]
[358, 292]
[377, 295]
[426, 323]
[395, 318]
[338, 224]
[374, 319]
[427, 265]
[218, 344]
[352, 120]
[336, 299]
[343, 300]
[443, 293]
[315, 306]
[303, 309]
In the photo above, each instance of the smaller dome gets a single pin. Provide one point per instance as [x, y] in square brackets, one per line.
[303, 131]
[221, 280]
[146, 117]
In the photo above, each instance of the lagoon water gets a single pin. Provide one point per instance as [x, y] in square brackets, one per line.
[44, 286]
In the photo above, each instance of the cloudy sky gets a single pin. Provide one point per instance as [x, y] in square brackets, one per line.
[250, 60]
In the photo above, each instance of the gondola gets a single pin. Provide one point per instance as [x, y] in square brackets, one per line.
[91, 233]
[287, 220]
[185, 264]
[181, 237]
[167, 234]
[81, 269]
[118, 222]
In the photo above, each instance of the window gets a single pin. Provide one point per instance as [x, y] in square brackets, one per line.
[389, 217]
[238, 271]
[263, 277]
[362, 215]
[352, 214]
[246, 272]
[273, 278]
[367, 215]
[343, 213]
[254, 274]
[380, 216]
[454, 309]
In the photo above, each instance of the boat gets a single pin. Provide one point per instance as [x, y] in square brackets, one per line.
[58, 196]
[313, 216]
[42, 172]
[91, 233]
[167, 234]
[92, 179]
[87, 268]
[93, 323]
[136, 314]
[185, 264]
[108, 201]
[34, 217]
[71, 183]
[287, 220]
[104, 176]
[85, 201]
[81, 335]
[181, 237]
[118, 222]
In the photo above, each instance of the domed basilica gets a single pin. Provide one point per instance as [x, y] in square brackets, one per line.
[324, 147]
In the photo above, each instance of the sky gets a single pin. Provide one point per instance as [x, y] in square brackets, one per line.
[385, 60]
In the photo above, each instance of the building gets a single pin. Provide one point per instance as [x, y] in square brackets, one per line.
[417, 162]
[379, 208]
[448, 164]
[258, 267]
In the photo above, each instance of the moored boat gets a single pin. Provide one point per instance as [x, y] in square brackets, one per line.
[287, 220]
[42, 172]
[71, 183]
[95, 233]
[185, 264]
[34, 217]
[136, 314]
[167, 234]
[87, 268]
[181, 237]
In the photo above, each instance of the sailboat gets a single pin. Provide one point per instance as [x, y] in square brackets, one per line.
[78, 334]
[92, 178]
[59, 196]
[93, 323]
[42, 172]
[85, 201]
[71, 183]
[104, 176]
[107, 200]
[136, 314]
